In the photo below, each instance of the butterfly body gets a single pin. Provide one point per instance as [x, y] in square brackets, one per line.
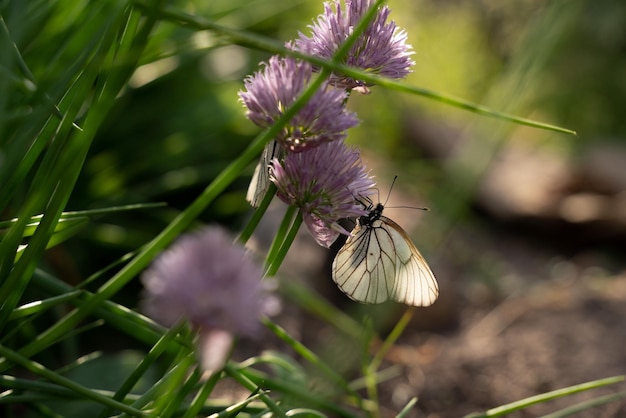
[379, 262]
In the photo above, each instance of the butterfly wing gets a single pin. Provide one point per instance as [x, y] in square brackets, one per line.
[415, 283]
[379, 262]
[260, 181]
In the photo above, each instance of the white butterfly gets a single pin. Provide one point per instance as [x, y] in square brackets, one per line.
[379, 262]
[260, 181]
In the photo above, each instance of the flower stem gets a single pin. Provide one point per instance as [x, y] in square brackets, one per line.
[257, 216]
[282, 252]
[279, 238]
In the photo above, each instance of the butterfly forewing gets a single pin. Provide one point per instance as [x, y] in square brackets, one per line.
[350, 267]
[379, 262]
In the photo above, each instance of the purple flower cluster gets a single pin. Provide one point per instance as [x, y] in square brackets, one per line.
[213, 284]
[381, 49]
[271, 91]
[312, 167]
[323, 183]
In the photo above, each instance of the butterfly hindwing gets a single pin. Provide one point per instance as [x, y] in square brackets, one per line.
[415, 283]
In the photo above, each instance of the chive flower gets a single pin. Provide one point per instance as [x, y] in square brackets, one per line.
[325, 183]
[273, 89]
[214, 284]
[382, 48]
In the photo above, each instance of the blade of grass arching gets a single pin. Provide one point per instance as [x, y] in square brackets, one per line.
[33, 386]
[544, 397]
[74, 217]
[405, 411]
[255, 41]
[583, 406]
[40, 306]
[69, 225]
[63, 230]
[87, 393]
[154, 353]
[103, 272]
[235, 409]
[68, 215]
[31, 227]
[312, 358]
[276, 360]
[254, 388]
[112, 209]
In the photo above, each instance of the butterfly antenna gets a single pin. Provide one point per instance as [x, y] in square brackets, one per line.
[409, 207]
[400, 207]
[389, 193]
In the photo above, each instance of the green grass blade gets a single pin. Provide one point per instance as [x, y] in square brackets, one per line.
[245, 381]
[407, 408]
[40, 306]
[548, 396]
[583, 406]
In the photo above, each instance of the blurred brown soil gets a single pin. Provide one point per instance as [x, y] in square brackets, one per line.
[557, 335]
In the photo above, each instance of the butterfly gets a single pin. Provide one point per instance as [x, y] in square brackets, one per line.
[260, 181]
[379, 262]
